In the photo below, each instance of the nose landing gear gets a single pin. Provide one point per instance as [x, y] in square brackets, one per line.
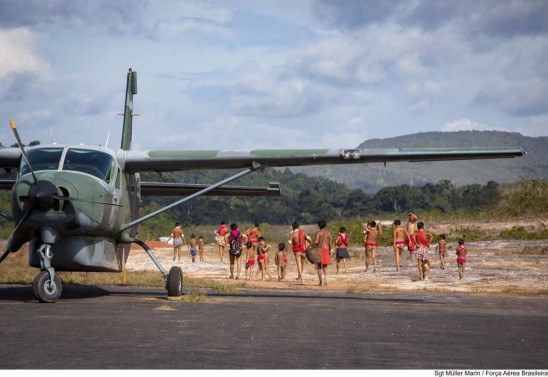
[46, 285]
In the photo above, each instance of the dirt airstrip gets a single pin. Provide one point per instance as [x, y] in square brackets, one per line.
[493, 267]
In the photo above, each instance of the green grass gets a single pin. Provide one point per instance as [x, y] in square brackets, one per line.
[521, 233]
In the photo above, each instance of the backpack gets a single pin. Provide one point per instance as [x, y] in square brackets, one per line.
[235, 247]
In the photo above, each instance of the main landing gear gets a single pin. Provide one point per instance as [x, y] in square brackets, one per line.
[46, 285]
[174, 282]
[174, 279]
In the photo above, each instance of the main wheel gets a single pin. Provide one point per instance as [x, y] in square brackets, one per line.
[175, 282]
[44, 290]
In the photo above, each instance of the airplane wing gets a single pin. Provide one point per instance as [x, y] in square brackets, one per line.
[10, 157]
[176, 160]
[6, 184]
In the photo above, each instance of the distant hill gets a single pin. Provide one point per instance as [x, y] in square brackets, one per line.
[372, 177]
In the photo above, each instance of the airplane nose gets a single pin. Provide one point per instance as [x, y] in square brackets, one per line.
[42, 195]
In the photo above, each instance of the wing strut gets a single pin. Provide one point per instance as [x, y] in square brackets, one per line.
[254, 166]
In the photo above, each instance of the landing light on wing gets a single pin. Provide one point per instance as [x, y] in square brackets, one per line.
[350, 154]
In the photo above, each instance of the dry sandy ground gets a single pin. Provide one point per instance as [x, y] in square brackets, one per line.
[496, 267]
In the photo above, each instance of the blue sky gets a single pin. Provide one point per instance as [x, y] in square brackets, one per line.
[271, 74]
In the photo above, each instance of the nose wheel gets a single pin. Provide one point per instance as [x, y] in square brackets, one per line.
[46, 290]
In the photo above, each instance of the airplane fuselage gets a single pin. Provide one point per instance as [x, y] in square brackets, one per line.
[92, 198]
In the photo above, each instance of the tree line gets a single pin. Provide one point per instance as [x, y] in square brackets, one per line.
[307, 199]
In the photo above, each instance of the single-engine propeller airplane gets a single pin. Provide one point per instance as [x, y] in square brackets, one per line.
[78, 206]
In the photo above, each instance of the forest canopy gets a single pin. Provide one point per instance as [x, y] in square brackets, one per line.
[307, 199]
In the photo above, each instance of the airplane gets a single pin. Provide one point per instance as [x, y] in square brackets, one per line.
[78, 206]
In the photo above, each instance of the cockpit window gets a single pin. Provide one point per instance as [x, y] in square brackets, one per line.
[41, 159]
[96, 163]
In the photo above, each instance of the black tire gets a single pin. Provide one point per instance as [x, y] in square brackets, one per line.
[175, 282]
[43, 290]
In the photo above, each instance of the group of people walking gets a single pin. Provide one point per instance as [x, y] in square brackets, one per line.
[256, 249]
[251, 245]
[418, 240]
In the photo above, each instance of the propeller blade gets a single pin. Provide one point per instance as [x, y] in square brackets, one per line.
[16, 134]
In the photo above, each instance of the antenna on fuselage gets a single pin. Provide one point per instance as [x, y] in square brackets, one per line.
[108, 137]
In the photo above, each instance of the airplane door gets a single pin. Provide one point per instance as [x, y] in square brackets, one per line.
[116, 199]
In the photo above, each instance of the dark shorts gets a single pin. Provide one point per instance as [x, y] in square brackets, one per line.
[342, 253]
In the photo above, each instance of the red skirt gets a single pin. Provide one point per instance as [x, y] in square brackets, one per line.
[326, 258]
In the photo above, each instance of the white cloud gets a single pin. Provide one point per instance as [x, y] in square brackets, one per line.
[269, 67]
[341, 140]
[467, 125]
[18, 52]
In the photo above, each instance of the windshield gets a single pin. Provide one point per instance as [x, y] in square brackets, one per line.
[42, 159]
[96, 163]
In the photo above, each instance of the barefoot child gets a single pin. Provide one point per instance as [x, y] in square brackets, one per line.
[400, 235]
[341, 244]
[281, 261]
[410, 229]
[192, 246]
[422, 241]
[461, 257]
[263, 252]
[201, 248]
[250, 260]
[442, 250]
[372, 232]
[260, 261]
[323, 241]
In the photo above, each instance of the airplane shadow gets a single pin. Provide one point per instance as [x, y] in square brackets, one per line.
[23, 293]
[70, 292]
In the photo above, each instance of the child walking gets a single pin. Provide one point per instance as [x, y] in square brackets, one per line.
[281, 261]
[192, 246]
[249, 260]
[341, 245]
[422, 240]
[442, 250]
[461, 257]
[201, 248]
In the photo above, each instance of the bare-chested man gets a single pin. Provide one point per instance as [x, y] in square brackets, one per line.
[400, 235]
[178, 240]
[297, 241]
[372, 233]
[323, 241]
[411, 229]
